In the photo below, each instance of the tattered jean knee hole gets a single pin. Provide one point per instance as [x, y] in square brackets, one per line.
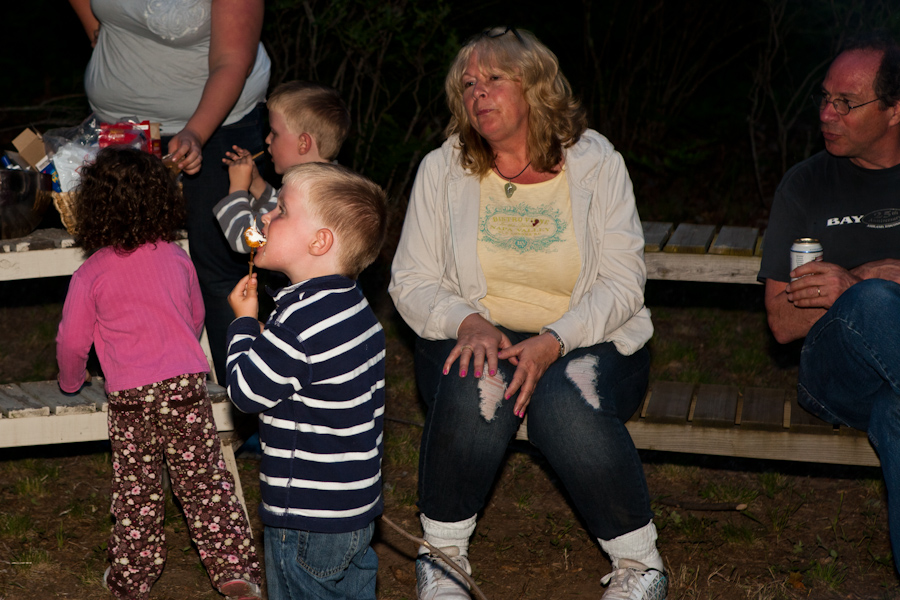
[490, 392]
[582, 372]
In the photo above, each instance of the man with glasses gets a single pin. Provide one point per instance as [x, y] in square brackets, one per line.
[847, 306]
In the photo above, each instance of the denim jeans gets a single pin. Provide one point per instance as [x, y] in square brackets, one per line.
[576, 418]
[850, 375]
[219, 268]
[303, 565]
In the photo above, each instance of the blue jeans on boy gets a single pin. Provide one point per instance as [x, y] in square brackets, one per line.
[850, 375]
[576, 418]
[305, 565]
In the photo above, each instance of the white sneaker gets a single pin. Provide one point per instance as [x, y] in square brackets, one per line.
[635, 581]
[435, 580]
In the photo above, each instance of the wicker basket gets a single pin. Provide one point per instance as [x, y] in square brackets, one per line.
[65, 204]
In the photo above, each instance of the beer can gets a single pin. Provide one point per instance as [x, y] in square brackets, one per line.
[805, 250]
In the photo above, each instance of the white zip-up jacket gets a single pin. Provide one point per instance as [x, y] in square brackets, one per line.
[436, 277]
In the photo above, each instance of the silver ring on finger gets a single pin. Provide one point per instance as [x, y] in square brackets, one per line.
[819, 291]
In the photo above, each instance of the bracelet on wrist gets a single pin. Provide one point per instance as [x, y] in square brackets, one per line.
[562, 345]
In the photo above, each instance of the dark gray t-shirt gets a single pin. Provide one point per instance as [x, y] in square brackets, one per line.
[853, 212]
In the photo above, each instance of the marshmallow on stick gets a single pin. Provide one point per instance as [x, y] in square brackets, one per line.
[254, 238]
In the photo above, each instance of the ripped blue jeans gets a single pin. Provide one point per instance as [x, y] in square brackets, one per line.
[576, 418]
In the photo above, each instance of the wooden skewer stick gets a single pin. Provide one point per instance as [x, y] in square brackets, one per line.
[257, 155]
[252, 250]
[434, 550]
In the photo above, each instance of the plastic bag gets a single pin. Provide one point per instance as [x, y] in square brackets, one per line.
[68, 161]
[69, 148]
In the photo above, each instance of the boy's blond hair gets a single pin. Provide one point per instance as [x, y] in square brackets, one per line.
[315, 109]
[353, 207]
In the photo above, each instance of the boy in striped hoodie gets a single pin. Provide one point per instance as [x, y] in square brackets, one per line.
[315, 373]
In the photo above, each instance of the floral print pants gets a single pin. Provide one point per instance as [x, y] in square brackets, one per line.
[171, 421]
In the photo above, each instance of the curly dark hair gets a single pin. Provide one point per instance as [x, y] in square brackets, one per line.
[127, 198]
[887, 79]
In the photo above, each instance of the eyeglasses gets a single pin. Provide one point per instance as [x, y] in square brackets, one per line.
[841, 105]
[487, 33]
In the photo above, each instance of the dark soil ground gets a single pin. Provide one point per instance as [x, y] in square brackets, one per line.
[809, 531]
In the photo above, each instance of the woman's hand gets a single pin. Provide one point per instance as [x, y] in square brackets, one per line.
[234, 39]
[479, 340]
[531, 357]
[185, 150]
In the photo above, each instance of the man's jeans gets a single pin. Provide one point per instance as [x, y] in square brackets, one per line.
[303, 565]
[576, 418]
[850, 375]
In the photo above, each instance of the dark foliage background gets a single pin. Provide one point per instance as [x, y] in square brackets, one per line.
[707, 100]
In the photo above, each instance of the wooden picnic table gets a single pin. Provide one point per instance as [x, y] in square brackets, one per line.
[38, 413]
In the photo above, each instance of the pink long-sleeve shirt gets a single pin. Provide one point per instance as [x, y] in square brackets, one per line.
[142, 311]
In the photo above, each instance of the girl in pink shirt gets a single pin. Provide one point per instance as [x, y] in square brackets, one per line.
[137, 301]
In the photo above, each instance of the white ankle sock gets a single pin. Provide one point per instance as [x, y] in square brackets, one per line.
[443, 534]
[639, 545]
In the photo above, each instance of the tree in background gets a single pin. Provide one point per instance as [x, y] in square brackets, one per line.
[801, 39]
[706, 100]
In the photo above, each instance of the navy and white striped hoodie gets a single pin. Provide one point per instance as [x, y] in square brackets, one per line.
[316, 376]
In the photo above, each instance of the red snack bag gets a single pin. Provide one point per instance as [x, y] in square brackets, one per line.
[124, 134]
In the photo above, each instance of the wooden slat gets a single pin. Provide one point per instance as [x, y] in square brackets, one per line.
[709, 268]
[86, 427]
[48, 394]
[806, 422]
[41, 239]
[759, 245]
[656, 235]
[716, 406]
[16, 404]
[749, 443]
[24, 263]
[735, 241]
[692, 239]
[669, 402]
[763, 409]
[97, 394]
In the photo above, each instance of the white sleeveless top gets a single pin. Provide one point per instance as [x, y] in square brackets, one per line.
[151, 61]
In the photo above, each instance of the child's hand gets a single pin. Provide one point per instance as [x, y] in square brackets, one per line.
[242, 171]
[243, 298]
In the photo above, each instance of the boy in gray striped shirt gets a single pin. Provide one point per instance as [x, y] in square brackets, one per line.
[315, 375]
[308, 122]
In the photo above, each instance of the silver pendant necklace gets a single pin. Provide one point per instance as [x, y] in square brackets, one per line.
[509, 187]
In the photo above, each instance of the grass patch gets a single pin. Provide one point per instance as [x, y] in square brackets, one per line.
[727, 492]
[29, 558]
[401, 447]
[15, 526]
[101, 464]
[773, 483]
[32, 488]
[687, 525]
[738, 534]
[827, 573]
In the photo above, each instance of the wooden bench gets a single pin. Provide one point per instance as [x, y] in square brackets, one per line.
[720, 420]
[39, 414]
